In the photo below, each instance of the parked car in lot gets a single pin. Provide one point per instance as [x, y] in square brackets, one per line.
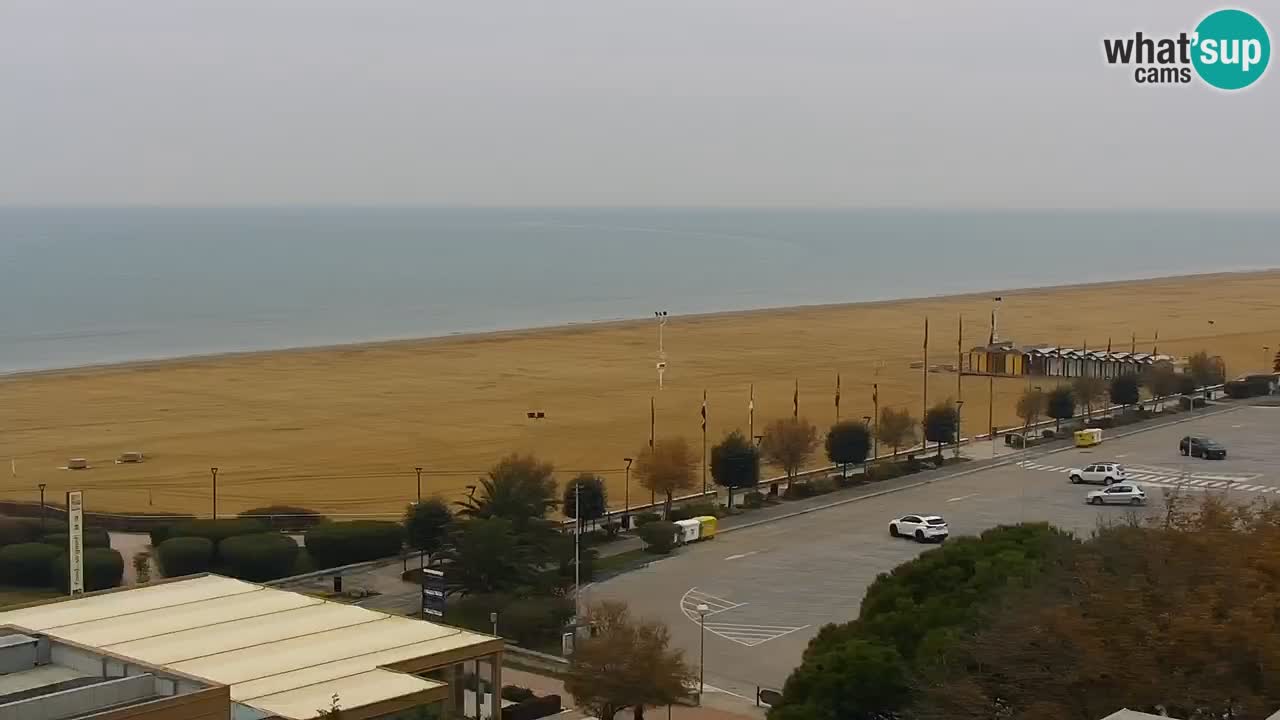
[1119, 494]
[924, 528]
[1197, 446]
[1099, 474]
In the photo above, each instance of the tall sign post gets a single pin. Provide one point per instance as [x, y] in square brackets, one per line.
[75, 541]
[432, 594]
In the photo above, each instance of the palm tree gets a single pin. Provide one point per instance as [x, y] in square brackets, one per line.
[520, 488]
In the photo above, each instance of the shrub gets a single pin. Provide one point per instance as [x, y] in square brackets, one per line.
[884, 471]
[799, 491]
[185, 556]
[611, 529]
[822, 486]
[265, 556]
[103, 569]
[92, 537]
[753, 500]
[686, 512]
[643, 519]
[27, 564]
[335, 544]
[516, 694]
[659, 537]
[216, 530]
[159, 534]
[284, 517]
[17, 530]
[1048, 434]
[530, 621]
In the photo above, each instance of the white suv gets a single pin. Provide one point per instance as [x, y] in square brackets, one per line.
[1100, 474]
[923, 528]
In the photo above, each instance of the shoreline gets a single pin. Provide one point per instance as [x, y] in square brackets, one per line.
[585, 326]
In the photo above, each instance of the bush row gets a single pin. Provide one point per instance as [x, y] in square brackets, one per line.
[44, 565]
[531, 622]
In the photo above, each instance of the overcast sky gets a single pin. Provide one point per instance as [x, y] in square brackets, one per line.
[982, 103]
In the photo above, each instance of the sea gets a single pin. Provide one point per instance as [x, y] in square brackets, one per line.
[94, 286]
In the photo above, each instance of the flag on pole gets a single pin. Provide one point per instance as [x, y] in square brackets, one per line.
[1155, 344]
[875, 394]
[991, 339]
[704, 411]
[653, 420]
[926, 332]
[795, 400]
[837, 393]
[751, 405]
[1108, 346]
[1133, 344]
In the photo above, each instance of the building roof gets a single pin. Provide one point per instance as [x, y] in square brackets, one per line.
[281, 652]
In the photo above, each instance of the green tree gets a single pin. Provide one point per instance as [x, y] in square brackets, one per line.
[667, 468]
[1206, 370]
[896, 428]
[520, 488]
[1124, 390]
[848, 442]
[1161, 381]
[585, 499]
[488, 556]
[627, 663]
[857, 680]
[142, 566]
[918, 611]
[789, 443]
[1030, 405]
[1061, 405]
[735, 463]
[428, 525]
[940, 424]
[1089, 390]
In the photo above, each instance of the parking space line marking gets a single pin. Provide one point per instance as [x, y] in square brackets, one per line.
[1218, 484]
[742, 555]
[750, 627]
[962, 497]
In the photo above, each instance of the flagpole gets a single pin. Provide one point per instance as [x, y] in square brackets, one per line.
[795, 401]
[704, 442]
[837, 398]
[959, 378]
[875, 408]
[924, 374]
[751, 414]
[653, 423]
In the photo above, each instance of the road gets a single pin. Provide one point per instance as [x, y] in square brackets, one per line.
[770, 588]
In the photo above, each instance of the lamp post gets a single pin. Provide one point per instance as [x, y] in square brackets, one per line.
[493, 618]
[42, 486]
[959, 404]
[214, 471]
[626, 496]
[703, 609]
[419, 471]
[577, 536]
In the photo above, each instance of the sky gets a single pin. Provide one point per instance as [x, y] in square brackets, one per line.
[806, 103]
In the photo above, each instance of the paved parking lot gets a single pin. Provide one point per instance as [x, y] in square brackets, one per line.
[769, 589]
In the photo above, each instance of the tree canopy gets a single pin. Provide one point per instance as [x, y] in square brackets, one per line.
[1124, 390]
[789, 443]
[488, 556]
[735, 463]
[427, 525]
[1205, 369]
[667, 468]
[627, 663]
[585, 498]
[1061, 404]
[1089, 390]
[848, 442]
[941, 423]
[1030, 405]
[896, 428]
[520, 488]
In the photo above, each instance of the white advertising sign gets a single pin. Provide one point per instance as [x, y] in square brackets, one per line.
[75, 544]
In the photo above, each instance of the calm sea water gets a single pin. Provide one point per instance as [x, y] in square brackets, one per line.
[94, 286]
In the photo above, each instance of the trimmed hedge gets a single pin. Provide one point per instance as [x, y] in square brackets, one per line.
[185, 556]
[531, 622]
[284, 517]
[334, 544]
[659, 537]
[103, 569]
[217, 530]
[92, 538]
[265, 556]
[688, 512]
[16, 530]
[28, 564]
[645, 518]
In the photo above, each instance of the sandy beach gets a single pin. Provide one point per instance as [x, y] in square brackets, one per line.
[341, 429]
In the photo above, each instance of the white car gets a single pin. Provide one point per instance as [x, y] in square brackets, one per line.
[924, 528]
[1099, 474]
[1119, 494]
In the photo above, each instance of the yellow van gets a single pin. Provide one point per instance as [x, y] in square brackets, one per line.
[1088, 438]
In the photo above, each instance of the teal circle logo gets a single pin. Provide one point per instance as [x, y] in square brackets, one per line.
[1232, 49]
